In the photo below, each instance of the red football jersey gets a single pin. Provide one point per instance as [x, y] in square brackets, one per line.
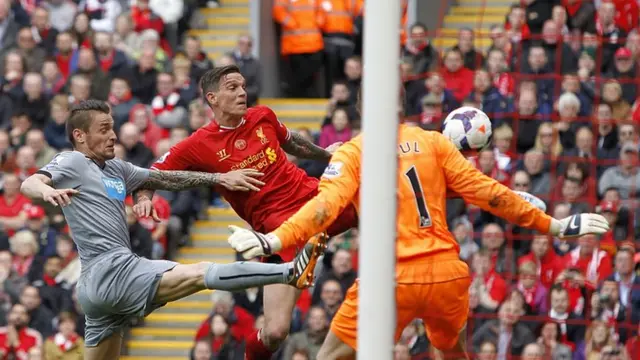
[28, 338]
[254, 143]
[163, 210]
[20, 204]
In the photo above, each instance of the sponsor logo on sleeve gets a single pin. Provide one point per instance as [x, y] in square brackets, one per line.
[56, 161]
[115, 188]
[333, 170]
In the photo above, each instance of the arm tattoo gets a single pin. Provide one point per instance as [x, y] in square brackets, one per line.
[179, 180]
[302, 148]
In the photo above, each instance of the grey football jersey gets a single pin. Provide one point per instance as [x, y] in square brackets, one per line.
[96, 216]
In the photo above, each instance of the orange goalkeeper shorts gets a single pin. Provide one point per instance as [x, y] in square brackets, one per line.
[443, 306]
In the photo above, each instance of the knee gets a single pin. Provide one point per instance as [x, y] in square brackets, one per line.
[276, 331]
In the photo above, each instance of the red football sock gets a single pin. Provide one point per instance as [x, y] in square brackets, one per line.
[255, 349]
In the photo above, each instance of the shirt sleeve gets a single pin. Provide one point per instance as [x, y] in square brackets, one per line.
[133, 176]
[180, 157]
[282, 132]
[480, 190]
[337, 189]
[65, 169]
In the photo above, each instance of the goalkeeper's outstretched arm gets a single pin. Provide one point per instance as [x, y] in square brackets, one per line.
[480, 190]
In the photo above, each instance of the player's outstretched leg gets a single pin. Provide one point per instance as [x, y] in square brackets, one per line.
[279, 302]
[184, 280]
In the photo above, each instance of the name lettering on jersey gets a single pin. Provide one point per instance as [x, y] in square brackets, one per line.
[408, 147]
[222, 155]
[114, 188]
[262, 136]
[257, 161]
[333, 170]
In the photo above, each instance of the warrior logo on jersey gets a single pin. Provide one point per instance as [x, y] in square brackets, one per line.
[333, 170]
[222, 154]
[262, 136]
[240, 144]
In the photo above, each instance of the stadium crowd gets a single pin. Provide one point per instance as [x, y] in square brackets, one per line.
[559, 82]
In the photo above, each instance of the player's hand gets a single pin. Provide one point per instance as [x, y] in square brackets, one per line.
[59, 197]
[333, 147]
[144, 208]
[242, 180]
[578, 225]
[533, 200]
[252, 244]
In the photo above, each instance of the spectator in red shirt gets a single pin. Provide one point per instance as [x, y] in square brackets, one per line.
[221, 340]
[488, 289]
[25, 162]
[492, 240]
[549, 265]
[64, 47]
[626, 14]
[81, 31]
[145, 19]
[158, 230]
[486, 162]
[150, 133]
[7, 157]
[12, 205]
[44, 34]
[497, 66]
[594, 263]
[53, 80]
[16, 339]
[457, 78]
[571, 333]
[66, 343]
[516, 26]
[239, 319]
[633, 346]
[24, 248]
[111, 61]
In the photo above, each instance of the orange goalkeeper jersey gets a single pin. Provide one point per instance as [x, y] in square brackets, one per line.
[428, 164]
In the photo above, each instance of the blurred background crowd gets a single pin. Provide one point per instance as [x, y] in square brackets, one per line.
[558, 78]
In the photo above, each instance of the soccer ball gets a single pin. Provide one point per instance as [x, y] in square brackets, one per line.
[468, 128]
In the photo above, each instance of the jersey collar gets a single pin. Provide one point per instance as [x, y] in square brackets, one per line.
[223, 128]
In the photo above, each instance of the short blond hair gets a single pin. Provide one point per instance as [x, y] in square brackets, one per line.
[24, 237]
[503, 132]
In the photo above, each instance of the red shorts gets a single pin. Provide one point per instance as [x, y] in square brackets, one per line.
[347, 220]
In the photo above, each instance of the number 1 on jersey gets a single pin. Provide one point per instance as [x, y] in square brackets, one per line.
[421, 203]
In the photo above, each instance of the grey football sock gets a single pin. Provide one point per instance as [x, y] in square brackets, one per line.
[243, 275]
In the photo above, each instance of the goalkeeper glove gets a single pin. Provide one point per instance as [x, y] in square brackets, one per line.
[578, 225]
[252, 244]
